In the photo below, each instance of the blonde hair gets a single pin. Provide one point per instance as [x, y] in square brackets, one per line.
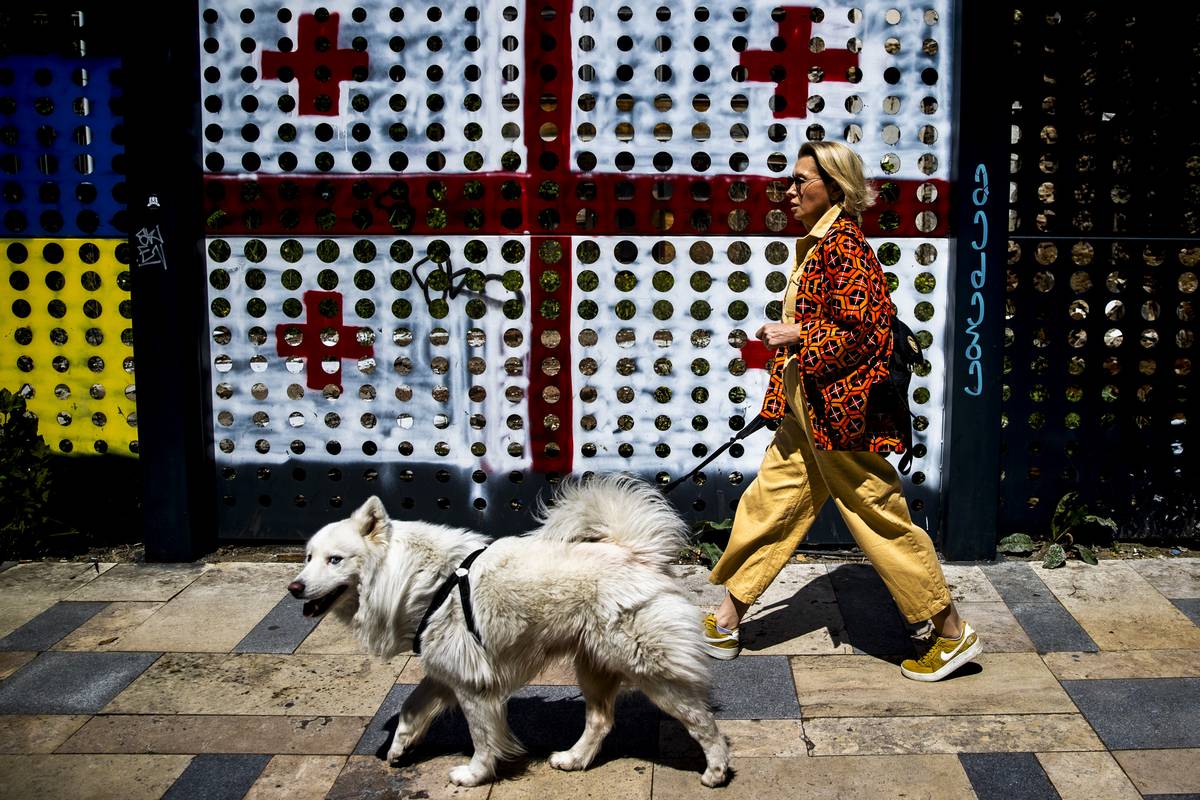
[837, 164]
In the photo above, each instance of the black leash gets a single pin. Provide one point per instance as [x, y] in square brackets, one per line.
[457, 578]
[758, 422]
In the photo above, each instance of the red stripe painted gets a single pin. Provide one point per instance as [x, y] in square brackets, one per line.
[547, 141]
[349, 205]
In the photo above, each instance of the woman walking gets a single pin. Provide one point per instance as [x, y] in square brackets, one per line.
[831, 350]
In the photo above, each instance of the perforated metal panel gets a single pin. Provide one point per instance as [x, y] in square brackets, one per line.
[459, 251]
[1105, 224]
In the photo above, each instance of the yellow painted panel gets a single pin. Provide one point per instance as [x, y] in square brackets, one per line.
[65, 332]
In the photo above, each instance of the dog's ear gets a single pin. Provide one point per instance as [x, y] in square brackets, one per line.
[371, 518]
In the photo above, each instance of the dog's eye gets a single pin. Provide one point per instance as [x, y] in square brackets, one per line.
[308, 558]
[335, 560]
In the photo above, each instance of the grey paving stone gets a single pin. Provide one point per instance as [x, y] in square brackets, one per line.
[1189, 606]
[70, 683]
[1018, 583]
[1007, 776]
[6, 564]
[543, 718]
[1051, 628]
[873, 623]
[217, 776]
[46, 629]
[280, 631]
[1143, 713]
[755, 687]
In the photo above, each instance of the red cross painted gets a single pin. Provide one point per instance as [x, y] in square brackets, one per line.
[340, 341]
[318, 65]
[788, 67]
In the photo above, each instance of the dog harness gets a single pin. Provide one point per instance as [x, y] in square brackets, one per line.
[457, 578]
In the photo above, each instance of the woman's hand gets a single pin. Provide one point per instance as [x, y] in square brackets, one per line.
[777, 334]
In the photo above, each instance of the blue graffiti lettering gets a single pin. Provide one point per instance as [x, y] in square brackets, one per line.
[974, 351]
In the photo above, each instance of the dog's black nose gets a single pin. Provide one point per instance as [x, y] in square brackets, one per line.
[296, 588]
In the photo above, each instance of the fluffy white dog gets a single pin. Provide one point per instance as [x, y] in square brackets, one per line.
[591, 582]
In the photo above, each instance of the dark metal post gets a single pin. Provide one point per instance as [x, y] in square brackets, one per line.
[161, 69]
[980, 185]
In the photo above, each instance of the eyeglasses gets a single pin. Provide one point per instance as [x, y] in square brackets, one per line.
[798, 184]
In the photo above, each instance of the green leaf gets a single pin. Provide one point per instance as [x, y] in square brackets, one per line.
[1086, 555]
[723, 525]
[1019, 543]
[711, 553]
[1104, 522]
[1055, 557]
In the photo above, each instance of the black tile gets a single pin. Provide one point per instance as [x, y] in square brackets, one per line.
[543, 718]
[51, 626]
[1189, 606]
[755, 687]
[217, 776]
[1018, 583]
[873, 623]
[1171, 797]
[1143, 713]
[1051, 628]
[280, 631]
[70, 683]
[1007, 776]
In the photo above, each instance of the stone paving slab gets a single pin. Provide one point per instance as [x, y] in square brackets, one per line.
[797, 615]
[1087, 776]
[1156, 772]
[1149, 713]
[30, 589]
[543, 718]
[370, 777]
[1124, 664]
[256, 684]
[296, 778]
[1007, 776]
[1174, 578]
[215, 611]
[90, 777]
[1119, 608]
[1190, 606]
[748, 738]
[217, 777]
[132, 583]
[835, 778]
[1000, 683]
[280, 631]
[47, 628]
[969, 584]
[619, 779]
[107, 630]
[1051, 628]
[873, 624]
[187, 733]
[37, 733]
[961, 733]
[996, 626]
[755, 688]
[332, 636]
[13, 661]
[70, 683]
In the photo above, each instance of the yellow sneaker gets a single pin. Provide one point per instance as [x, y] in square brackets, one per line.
[718, 642]
[943, 657]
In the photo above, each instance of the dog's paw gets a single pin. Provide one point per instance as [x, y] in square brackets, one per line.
[715, 776]
[566, 760]
[400, 745]
[464, 775]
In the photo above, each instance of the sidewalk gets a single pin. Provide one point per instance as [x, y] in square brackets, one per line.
[204, 681]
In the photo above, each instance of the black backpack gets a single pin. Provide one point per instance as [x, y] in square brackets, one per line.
[906, 355]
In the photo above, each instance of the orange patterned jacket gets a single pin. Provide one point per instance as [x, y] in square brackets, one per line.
[844, 312]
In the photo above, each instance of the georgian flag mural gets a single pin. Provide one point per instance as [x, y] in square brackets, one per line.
[458, 250]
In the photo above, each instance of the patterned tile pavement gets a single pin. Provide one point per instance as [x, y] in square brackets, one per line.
[205, 681]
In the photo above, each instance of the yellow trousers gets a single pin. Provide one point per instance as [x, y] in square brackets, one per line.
[779, 507]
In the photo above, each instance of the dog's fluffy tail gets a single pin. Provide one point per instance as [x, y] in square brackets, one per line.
[619, 509]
